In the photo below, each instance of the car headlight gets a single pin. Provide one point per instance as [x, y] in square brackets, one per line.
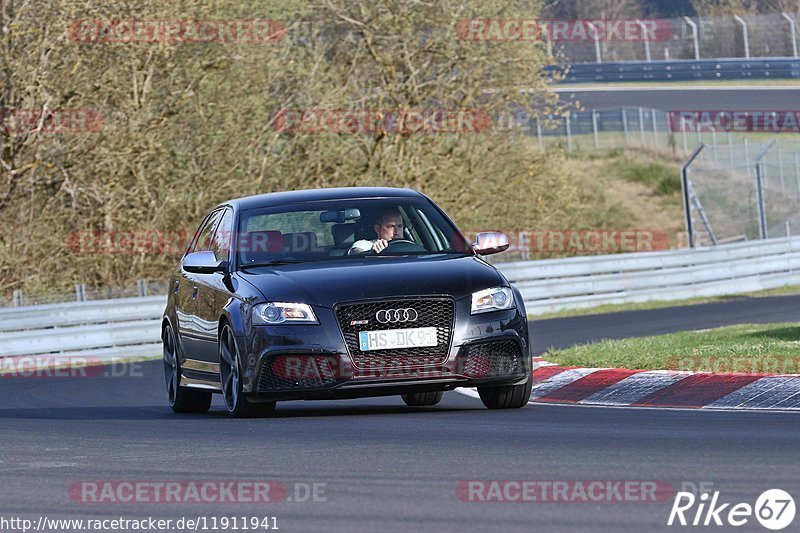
[494, 299]
[272, 313]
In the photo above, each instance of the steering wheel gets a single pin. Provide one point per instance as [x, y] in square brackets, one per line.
[403, 245]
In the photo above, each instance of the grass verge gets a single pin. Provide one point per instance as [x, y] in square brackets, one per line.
[748, 348]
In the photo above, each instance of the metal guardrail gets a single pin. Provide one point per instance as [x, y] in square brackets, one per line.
[100, 329]
[762, 68]
[557, 284]
[129, 327]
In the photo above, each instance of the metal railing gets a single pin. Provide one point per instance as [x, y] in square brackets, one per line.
[101, 329]
[742, 191]
[728, 36]
[580, 282]
[83, 294]
[768, 68]
[600, 129]
[130, 327]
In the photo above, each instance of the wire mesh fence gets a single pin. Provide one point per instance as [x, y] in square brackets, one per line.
[618, 127]
[743, 191]
[745, 183]
[768, 35]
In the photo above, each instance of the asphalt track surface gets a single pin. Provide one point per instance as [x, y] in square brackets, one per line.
[728, 99]
[387, 467]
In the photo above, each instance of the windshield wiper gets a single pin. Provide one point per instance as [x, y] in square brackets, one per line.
[276, 262]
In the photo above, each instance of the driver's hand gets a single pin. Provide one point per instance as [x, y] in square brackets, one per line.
[380, 245]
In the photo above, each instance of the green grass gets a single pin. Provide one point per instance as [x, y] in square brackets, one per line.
[659, 177]
[749, 348]
[660, 304]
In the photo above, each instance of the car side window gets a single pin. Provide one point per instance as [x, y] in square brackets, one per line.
[221, 243]
[204, 236]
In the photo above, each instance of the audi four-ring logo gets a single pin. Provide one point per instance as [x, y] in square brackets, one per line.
[384, 316]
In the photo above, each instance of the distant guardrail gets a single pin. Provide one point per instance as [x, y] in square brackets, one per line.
[99, 329]
[130, 327]
[684, 70]
[579, 282]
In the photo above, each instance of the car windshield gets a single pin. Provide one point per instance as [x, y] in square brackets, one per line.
[320, 231]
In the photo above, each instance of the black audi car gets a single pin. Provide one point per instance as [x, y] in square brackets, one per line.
[340, 293]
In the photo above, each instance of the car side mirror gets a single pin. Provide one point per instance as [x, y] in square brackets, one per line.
[490, 242]
[203, 263]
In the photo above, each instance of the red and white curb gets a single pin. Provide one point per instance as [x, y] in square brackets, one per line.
[661, 388]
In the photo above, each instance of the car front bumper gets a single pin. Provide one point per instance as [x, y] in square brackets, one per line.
[296, 362]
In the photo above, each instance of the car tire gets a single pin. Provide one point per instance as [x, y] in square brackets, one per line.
[181, 399]
[420, 399]
[506, 396]
[230, 379]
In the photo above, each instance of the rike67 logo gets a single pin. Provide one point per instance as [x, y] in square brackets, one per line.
[774, 509]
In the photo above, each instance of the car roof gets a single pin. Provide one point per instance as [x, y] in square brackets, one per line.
[310, 195]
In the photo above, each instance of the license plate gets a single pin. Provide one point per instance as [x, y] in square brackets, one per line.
[389, 339]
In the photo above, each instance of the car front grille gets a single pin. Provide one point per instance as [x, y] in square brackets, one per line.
[489, 359]
[432, 312]
[290, 372]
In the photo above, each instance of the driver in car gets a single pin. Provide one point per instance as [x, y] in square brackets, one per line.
[389, 227]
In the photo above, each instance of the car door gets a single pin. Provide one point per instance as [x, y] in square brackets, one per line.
[213, 293]
[188, 291]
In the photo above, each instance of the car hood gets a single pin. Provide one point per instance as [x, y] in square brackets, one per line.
[330, 282]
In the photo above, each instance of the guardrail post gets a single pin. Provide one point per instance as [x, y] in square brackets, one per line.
[730, 147]
[625, 126]
[596, 37]
[685, 145]
[141, 286]
[594, 130]
[714, 142]
[655, 126]
[685, 193]
[548, 42]
[539, 133]
[80, 292]
[695, 39]
[790, 20]
[762, 218]
[569, 133]
[797, 171]
[743, 24]
[18, 298]
[641, 126]
[762, 209]
[646, 39]
[780, 169]
[747, 156]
